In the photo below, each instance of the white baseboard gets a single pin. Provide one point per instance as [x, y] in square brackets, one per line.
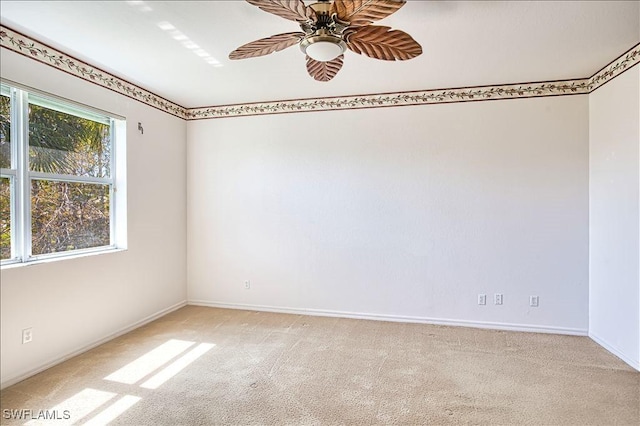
[397, 318]
[85, 348]
[617, 352]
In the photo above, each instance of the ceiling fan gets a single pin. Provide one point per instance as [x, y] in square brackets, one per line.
[329, 28]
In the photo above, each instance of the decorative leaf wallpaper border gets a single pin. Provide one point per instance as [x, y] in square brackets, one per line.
[35, 50]
[624, 62]
[12, 40]
[510, 91]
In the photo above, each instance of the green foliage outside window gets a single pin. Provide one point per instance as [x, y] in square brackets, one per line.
[66, 144]
[5, 132]
[5, 186]
[68, 216]
[5, 219]
[65, 215]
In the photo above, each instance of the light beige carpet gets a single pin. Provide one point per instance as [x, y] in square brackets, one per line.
[200, 366]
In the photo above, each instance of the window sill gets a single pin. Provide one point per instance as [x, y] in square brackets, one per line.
[59, 258]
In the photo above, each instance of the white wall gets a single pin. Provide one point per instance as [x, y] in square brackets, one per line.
[74, 303]
[614, 216]
[407, 213]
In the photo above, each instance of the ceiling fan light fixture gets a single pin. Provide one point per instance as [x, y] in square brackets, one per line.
[329, 27]
[322, 46]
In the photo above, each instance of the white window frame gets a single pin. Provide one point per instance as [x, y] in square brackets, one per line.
[20, 176]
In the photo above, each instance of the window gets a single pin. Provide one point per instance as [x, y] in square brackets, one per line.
[57, 177]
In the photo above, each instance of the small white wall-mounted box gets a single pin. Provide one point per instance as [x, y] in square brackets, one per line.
[27, 335]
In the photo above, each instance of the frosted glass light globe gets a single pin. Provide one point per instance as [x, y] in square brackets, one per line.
[323, 46]
[324, 51]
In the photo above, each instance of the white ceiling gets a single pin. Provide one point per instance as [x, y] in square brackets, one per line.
[466, 43]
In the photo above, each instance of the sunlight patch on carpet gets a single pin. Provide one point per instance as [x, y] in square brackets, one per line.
[177, 366]
[76, 407]
[149, 362]
[114, 410]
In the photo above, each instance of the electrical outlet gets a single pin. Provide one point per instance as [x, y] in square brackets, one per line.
[534, 301]
[27, 335]
[247, 285]
[497, 299]
[482, 299]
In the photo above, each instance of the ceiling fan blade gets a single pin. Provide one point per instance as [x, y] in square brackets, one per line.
[294, 10]
[265, 46]
[382, 43]
[364, 12]
[324, 71]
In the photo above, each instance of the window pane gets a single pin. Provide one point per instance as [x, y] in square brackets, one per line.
[62, 143]
[68, 216]
[5, 132]
[5, 218]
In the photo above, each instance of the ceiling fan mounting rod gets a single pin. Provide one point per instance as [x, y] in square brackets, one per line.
[321, 7]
